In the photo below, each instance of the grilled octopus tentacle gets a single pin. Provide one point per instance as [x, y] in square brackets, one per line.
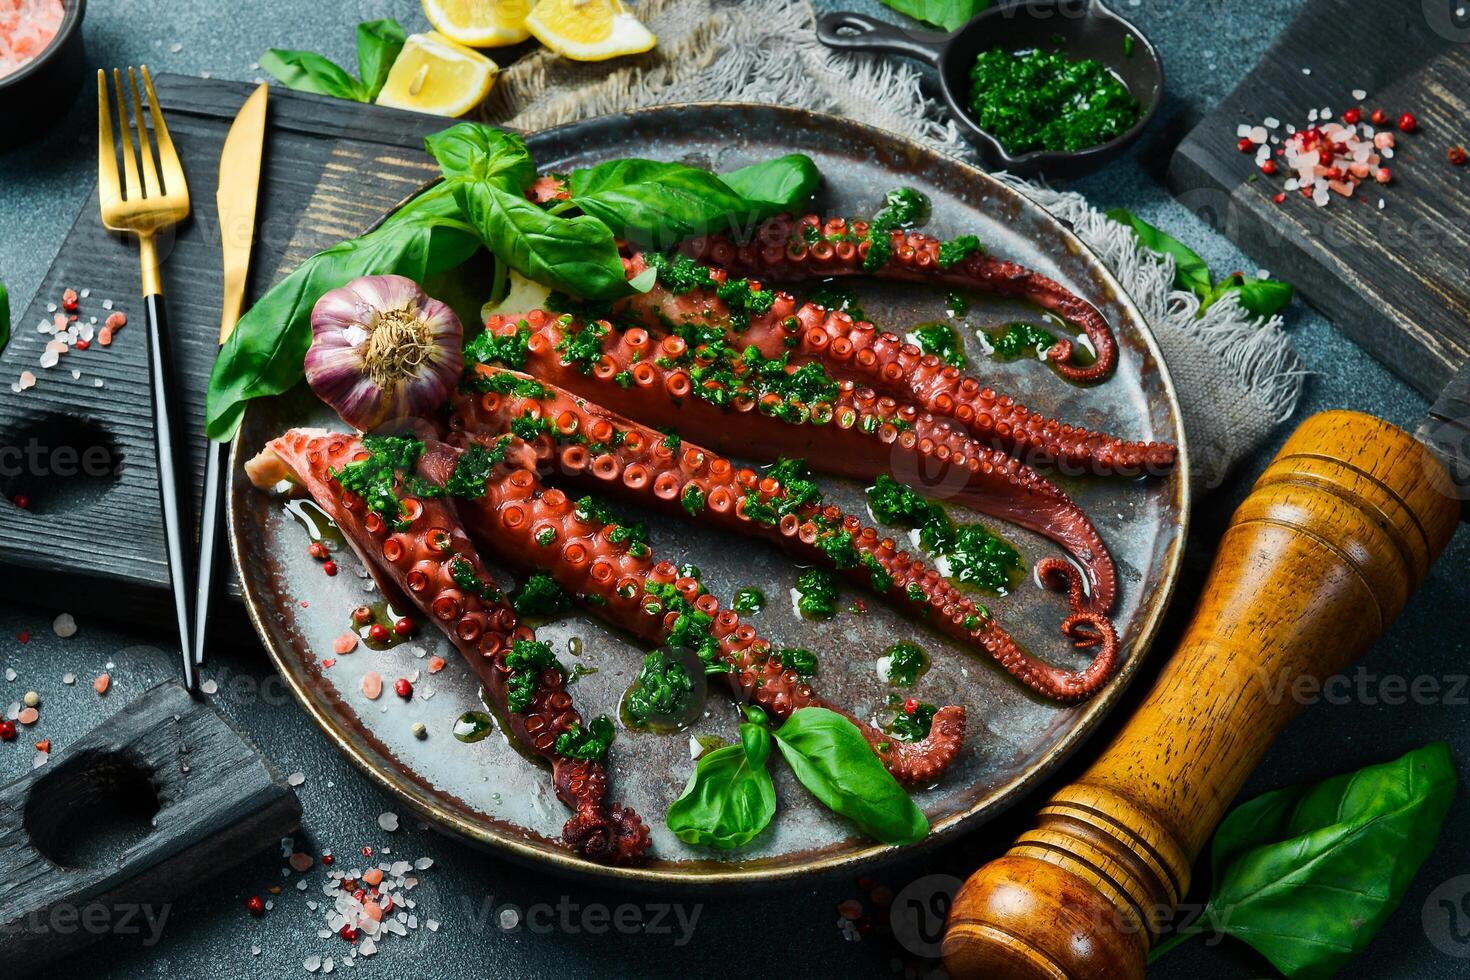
[419, 559]
[533, 526]
[779, 251]
[639, 463]
[857, 351]
[858, 434]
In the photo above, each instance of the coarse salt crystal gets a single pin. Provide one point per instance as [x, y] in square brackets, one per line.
[10, 673]
[1360, 94]
[64, 625]
[50, 307]
[68, 679]
[388, 820]
[49, 358]
[209, 687]
[1258, 135]
[312, 963]
[107, 304]
[96, 382]
[1306, 71]
[1320, 196]
[296, 778]
[1273, 123]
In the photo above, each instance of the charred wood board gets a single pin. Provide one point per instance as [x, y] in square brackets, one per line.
[159, 798]
[83, 455]
[1393, 279]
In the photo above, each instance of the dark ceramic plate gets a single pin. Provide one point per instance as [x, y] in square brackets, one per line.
[487, 793]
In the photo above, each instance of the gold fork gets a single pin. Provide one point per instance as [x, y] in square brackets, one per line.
[145, 208]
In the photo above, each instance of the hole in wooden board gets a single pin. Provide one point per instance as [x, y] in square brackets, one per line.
[90, 810]
[58, 463]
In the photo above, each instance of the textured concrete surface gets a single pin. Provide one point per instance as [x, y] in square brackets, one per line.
[559, 928]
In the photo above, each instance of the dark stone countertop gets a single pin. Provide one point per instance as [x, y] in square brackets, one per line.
[566, 927]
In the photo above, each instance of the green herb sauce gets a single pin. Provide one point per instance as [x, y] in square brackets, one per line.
[974, 554]
[941, 340]
[913, 727]
[590, 743]
[540, 596]
[660, 694]
[748, 600]
[1021, 340]
[1039, 100]
[799, 660]
[526, 661]
[472, 726]
[817, 590]
[903, 664]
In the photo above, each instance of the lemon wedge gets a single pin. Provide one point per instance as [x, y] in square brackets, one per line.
[433, 74]
[588, 30]
[480, 23]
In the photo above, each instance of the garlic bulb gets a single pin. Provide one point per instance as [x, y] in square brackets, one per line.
[381, 349]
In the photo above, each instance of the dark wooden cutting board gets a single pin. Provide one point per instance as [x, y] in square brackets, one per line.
[84, 455]
[1394, 280]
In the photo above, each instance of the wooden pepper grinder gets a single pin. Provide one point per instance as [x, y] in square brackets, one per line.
[1319, 559]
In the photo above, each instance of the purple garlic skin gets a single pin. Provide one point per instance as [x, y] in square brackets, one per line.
[382, 350]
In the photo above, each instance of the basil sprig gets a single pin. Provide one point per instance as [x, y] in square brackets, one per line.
[378, 45]
[1308, 874]
[730, 798]
[946, 14]
[1262, 298]
[481, 202]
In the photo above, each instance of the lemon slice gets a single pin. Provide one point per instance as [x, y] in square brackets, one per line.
[588, 30]
[480, 23]
[435, 75]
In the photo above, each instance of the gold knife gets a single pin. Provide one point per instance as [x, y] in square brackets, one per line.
[239, 188]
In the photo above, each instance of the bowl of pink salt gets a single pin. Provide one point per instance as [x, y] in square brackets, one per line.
[41, 65]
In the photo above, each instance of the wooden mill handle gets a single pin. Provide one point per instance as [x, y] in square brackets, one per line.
[1319, 559]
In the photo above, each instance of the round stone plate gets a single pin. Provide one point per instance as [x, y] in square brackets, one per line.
[489, 794]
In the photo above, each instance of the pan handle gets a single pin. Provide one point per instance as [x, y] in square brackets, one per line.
[858, 32]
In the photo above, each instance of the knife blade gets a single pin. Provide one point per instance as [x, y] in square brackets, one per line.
[239, 188]
[236, 198]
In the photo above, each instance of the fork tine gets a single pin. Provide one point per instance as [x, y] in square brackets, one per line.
[145, 146]
[107, 183]
[173, 170]
[130, 163]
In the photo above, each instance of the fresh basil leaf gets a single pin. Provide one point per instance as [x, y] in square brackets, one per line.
[480, 153]
[730, 798]
[832, 759]
[948, 14]
[1259, 297]
[306, 71]
[777, 186]
[655, 204]
[578, 255]
[378, 45]
[1190, 271]
[265, 353]
[4, 316]
[1307, 875]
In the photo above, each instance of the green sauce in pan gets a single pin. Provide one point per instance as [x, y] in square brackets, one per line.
[1038, 100]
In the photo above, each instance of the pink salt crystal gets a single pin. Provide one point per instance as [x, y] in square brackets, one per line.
[300, 862]
[28, 716]
[373, 876]
[102, 683]
[373, 911]
[1345, 189]
[344, 643]
[436, 664]
[1383, 141]
[27, 27]
[372, 685]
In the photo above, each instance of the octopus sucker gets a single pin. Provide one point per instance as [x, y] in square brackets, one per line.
[866, 435]
[434, 556]
[636, 590]
[811, 532]
[855, 351]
